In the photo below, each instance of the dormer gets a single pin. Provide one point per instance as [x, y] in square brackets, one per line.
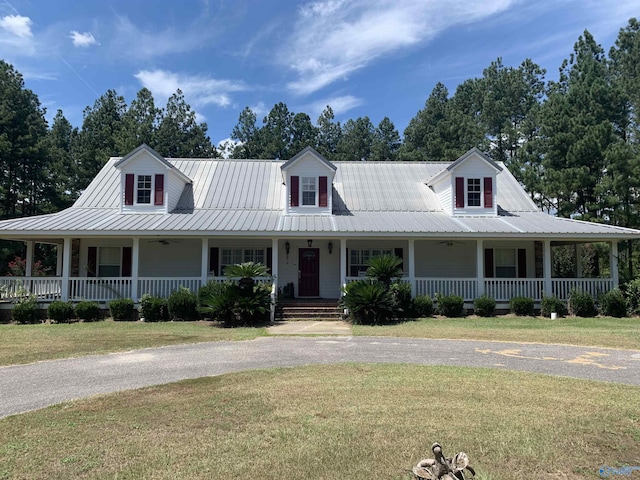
[308, 178]
[148, 182]
[468, 185]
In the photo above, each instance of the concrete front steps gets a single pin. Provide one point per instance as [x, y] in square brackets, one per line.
[309, 309]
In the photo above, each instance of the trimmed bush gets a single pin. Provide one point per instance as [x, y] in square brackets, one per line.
[423, 306]
[122, 310]
[613, 303]
[154, 309]
[450, 305]
[228, 303]
[183, 305]
[403, 304]
[633, 296]
[484, 306]
[87, 311]
[582, 304]
[552, 304]
[369, 303]
[25, 311]
[521, 306]
[60, 311]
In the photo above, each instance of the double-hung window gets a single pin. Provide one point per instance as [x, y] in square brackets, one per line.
[309, 191]
[473, 192]
[109, 259]
[231, 256]
[144, 189]
[360, 258]
[506, 262]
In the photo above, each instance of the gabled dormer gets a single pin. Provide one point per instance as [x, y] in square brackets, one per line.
[468, 185]
[308, 178]
[148, 182]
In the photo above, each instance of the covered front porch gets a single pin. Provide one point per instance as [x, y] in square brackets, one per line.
[103, 269]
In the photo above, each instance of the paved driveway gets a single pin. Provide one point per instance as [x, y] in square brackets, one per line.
[33, 386]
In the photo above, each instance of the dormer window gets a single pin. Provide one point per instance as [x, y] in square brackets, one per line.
[309, 191]
[473, 192]
[144, 189]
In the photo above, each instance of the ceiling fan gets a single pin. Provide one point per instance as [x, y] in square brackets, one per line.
[164, 241]
[449, 243]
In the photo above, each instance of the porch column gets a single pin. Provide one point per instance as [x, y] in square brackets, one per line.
[613, 263]
[274, 274]
[59, 260]
[546, 254]
[412, 266]
[578, 260]
[135, 263]
[204, 262]
[343, 264]
[28, 263]
[479, 267]
[66, 269]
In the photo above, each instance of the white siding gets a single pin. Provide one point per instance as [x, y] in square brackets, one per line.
[438, 259]
[309, 166]
[474, 168]
[180, 258]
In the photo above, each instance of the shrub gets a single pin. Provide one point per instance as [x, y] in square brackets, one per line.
[228, 303]
[552, 304]
[450, 305]
[122, 309]
[484, 306]
[368, 302]
[87, 311]
[521, 306]
[25, 311]
[582, 304]
[633, 296]
[423, 306]
[384, 268]
[403, 304]
[613, 303]
[154, 309]
[183, 305]
[60, 311]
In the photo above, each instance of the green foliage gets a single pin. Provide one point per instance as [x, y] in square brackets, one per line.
[25, 310]
[245, 273]
[484, 306]
[227, 303]
[613, 303]
[369, 303]
[581, 304]
[183, 305]
[384, 268]
[521, 306]
[423, 306]
[87, 311]
[122, 309]
[403, 304]
[632, 290]
[60, 311]
[450, 305]
[552, 305]
[154, 309]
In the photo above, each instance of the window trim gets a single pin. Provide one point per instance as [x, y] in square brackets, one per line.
[138, 190]
[100, 249]
[479, 192]
[304, 180]
[496, 256]
[224, 251]
[362, 267]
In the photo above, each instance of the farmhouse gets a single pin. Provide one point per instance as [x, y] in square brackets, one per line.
[148, 224]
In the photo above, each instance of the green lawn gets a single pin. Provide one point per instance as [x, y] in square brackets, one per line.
[29, 343]
[332, 423]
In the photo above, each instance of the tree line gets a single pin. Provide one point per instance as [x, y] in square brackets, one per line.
[573, 142]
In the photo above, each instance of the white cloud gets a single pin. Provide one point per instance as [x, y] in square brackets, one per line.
[83, 39]
[17, 25]
[198, 90]
[339, 105]
[334, 38]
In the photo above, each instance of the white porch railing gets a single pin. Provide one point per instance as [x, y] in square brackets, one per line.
[503, 289]
[464, 287]
[162, 287]
[562, 287]
[46, 288]
[102, 289]
[267, 280]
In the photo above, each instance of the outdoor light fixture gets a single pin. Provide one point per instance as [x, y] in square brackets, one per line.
[287, 247]
[309, 243]
[330, 246]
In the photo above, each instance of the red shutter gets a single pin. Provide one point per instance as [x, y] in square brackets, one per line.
[323, 192]
[488, 262]
[488, 192]
[346, 262]
[214, 253]
[159, 190]
[399, 253]
[522, 263]
[270, 259]
[459, 192]
[128, 189]
[294, 191]
[127, 260]
[92, 262]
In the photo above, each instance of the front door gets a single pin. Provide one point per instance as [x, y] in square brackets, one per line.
[309, 272]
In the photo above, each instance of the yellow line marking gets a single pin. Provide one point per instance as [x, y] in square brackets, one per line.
[587, 358]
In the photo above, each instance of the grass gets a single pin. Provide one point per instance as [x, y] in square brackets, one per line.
[30, 343]
[331, 423]
[603, 332]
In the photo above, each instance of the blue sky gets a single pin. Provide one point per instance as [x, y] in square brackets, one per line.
[362, 57]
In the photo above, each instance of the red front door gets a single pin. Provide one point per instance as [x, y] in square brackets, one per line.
[309, 272]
